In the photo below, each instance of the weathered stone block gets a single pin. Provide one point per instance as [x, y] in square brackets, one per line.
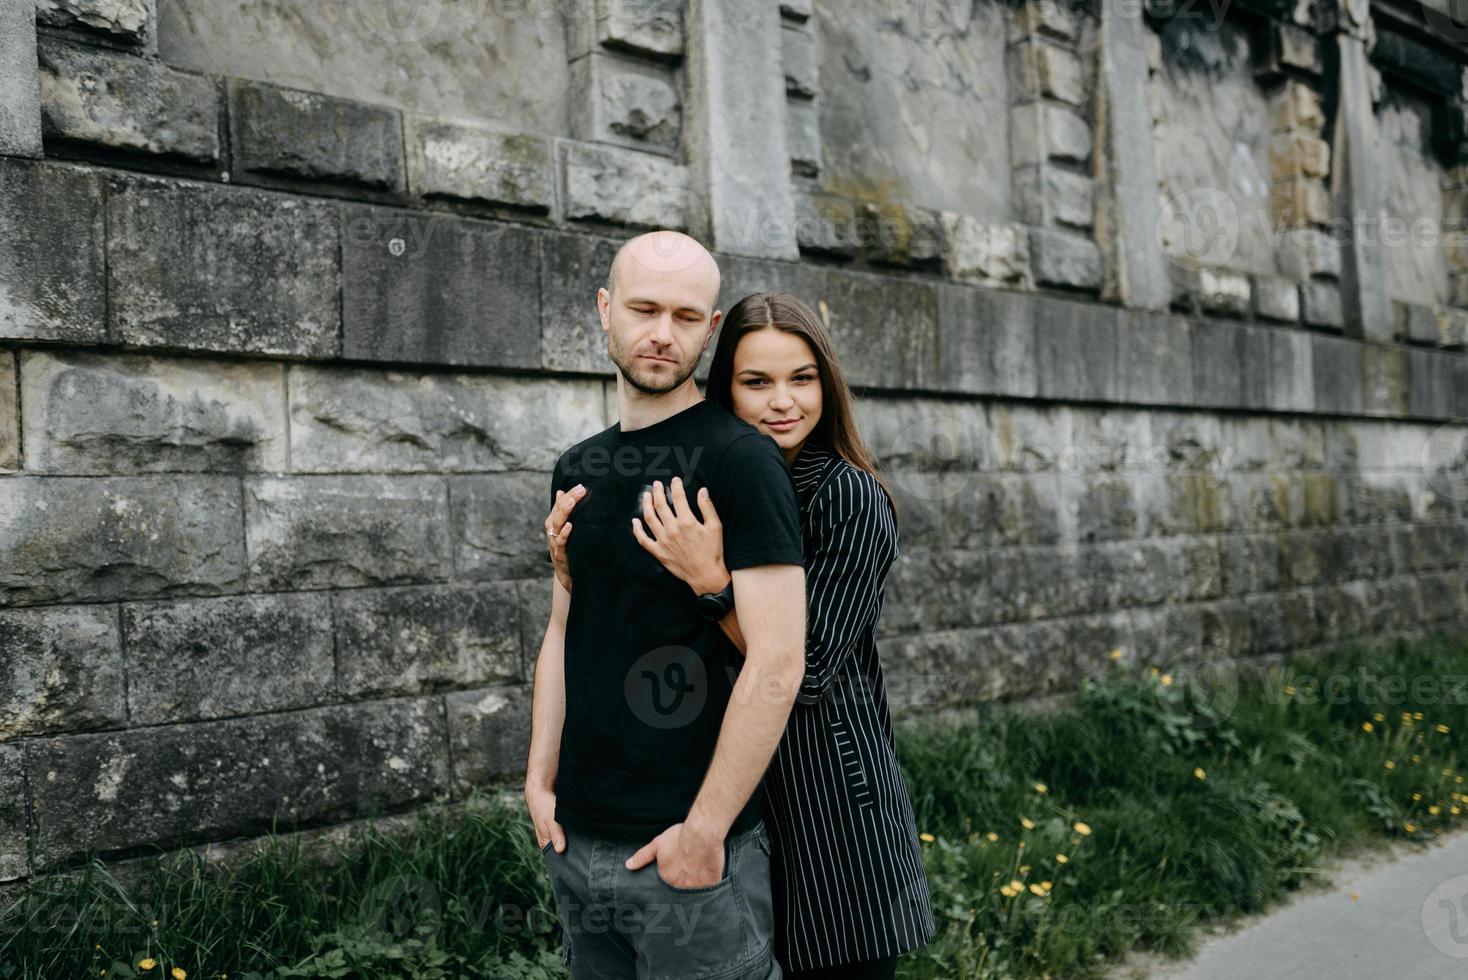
[222, 269]
[313, 136]
[489, 730]
[1078, 350]
[886, 327]
[78, 539]
[1220, 291]
[1296, 154]
[89, 96]
[20, 90]
[14, 838]
[625, 187]
[128, 22]
[450, 160]
[9, 415]
[1039, 132]
[573, 268]
[216, 658]
[1308, 252]
[1059, 258]
[1044, 17]
[1320, 305]
[497, 525]
[1452, 327]
[1219, 364]
[62, 670]
[341, 531]
[1299, 201]
[1291, 374]
[94, 413]
[208, 781]
[1296, 106]
[51, 221]
[986, 342]
[1036, 68]
[647, 27]
[1049, 195]
[1384, 380]
[826, 223]
[1155, 359]
[1429, 382]
[798, 57]
[353, 421]
[895, 234]
[416, 640]
[1276, 299]
[1337, 374]
[625, 101]
[803, 137]
[985, 252]
[439, 289]
[1414, 322]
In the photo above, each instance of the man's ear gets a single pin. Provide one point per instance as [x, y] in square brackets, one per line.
[714, 321]
[604, 307]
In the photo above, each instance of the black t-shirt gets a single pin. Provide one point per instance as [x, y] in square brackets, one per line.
[647, 677]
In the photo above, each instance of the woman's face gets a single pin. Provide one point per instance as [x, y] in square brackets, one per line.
[775, 380]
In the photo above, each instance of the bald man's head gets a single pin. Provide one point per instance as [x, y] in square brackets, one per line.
[663, 254]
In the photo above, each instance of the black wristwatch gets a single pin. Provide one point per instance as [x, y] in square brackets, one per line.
[714, 606]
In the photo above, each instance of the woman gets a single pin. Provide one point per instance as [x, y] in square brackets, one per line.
[847, 877]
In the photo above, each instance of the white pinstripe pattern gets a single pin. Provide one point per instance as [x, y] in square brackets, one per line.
[848, 876]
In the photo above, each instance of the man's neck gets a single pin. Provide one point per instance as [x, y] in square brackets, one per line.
[638, 410]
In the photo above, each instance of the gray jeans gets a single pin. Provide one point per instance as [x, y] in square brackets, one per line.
[633, 924]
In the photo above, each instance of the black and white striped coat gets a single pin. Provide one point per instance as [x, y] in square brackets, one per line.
[847, 871]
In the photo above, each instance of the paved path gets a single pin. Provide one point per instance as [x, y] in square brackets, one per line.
[1408, 920]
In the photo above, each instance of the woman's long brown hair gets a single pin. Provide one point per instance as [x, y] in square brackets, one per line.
[836, 429]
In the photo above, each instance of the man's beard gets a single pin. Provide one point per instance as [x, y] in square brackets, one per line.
[626, 364]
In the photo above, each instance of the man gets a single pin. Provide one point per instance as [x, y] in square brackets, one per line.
[649, 733]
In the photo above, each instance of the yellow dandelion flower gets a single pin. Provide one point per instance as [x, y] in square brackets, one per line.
[1443, 729]
[1410, 828]
[1434, 810]
[1416, 758]
[1417, 715]
[1061, 859]
[1367, 726]
[1041, 788]
[1289, 690]
[927, 837]
[1038, 890]
[1024, 869]
[147, 963]
[1457, 779]
[1453, 810]
[1027, 823]
[1390, 764]
[1198, 773]
[1416, 797]
[1017, 885]
[1115, 654]
[1047, 885]
[1379, 716]
[1006, 891]
[992, 836]
[178, 973]
[155, 922]
[1082, 828]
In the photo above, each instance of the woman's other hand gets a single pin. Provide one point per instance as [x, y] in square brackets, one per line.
[558, 530]
[691, 549]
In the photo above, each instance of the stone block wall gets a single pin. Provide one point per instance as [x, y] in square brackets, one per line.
[284, 368]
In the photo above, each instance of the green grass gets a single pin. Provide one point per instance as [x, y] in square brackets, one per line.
[1174, 804]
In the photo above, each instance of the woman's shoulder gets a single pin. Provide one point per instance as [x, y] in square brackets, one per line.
[853, 492]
